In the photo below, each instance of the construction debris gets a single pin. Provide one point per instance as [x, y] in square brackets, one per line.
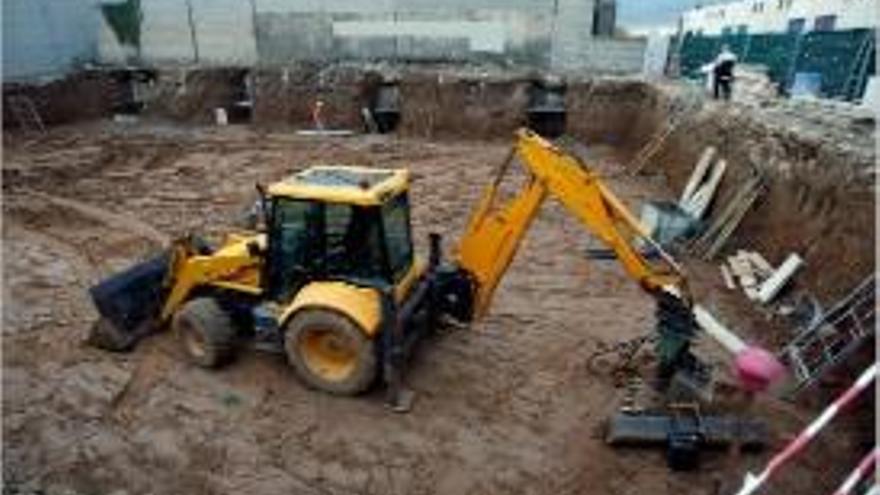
[756, 276]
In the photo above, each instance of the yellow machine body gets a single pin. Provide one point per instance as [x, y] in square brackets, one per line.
[388, 289]
[236, 266]
[497, 225]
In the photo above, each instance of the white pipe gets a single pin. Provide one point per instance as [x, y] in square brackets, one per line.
[718, 331]
[712, 326]
[780, 277]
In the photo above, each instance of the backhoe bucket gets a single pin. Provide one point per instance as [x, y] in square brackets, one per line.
[129, 303]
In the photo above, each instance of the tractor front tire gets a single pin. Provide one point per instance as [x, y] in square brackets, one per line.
[330, 352]
[206, 332]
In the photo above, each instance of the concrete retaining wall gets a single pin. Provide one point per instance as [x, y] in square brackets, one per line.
[49, 37]
[605, 55]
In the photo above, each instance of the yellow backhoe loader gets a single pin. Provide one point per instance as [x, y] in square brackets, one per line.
[332, 278]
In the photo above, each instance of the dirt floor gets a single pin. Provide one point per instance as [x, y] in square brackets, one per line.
[506, 406]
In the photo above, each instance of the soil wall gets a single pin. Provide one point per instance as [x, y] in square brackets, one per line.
[819, 202]
[81, 96]
[615, 112]
[191, 96]
[288, 97]
[436, 106]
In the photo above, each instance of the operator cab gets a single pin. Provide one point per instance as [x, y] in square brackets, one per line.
[338, 223]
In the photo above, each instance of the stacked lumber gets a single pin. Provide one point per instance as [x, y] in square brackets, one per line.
[725, 223]
[746, 269]
[757, 278]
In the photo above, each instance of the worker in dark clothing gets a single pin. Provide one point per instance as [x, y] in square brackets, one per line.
[722, 73]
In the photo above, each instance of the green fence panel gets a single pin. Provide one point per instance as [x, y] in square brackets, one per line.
[125, 21]
[697, 51]
[774, 51]
[833, 54]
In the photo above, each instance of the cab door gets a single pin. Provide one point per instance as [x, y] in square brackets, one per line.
[294, 246]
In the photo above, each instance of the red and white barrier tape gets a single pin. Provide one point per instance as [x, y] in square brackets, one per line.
[752, 482]
[860, 472]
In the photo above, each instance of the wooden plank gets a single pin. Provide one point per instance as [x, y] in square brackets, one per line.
[699, 202]
[697, 176]
[751, 292]
[704, 243]
[748, 282]
[761, 263]
[728, 277]
[733, 223]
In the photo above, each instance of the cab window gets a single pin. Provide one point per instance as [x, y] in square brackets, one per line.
[395, 218]
[291, 247]
[353, 242]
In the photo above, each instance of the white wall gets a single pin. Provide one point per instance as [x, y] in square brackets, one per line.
[47, 38]
[656, 54]
[225, 31]
[571, 33]
[165, 32]
[767, 16]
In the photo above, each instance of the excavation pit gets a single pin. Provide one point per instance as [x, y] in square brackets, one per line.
[511, 396]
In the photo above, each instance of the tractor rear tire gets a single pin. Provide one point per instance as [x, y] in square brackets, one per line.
[330, 352]
[206, 332]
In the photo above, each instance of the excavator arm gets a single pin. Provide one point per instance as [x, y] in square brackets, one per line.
[498, 224]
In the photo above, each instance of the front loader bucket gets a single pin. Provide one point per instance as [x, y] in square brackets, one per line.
[129, 303]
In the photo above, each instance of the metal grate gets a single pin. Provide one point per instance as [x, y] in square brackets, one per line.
[834, 337]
